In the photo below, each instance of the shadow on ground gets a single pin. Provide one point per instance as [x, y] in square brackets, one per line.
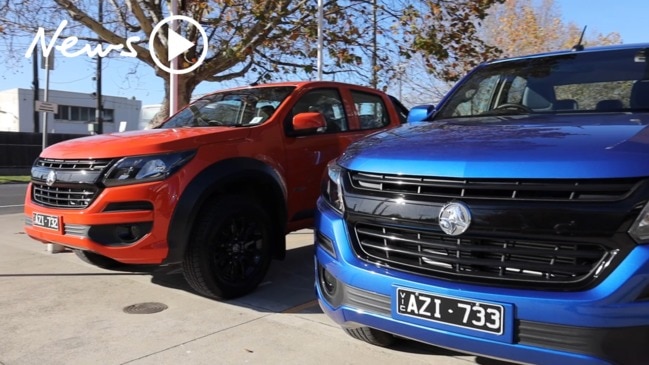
[287, 288]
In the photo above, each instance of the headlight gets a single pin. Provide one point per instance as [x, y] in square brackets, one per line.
[134, 170]
[640, 228]
[331, 188]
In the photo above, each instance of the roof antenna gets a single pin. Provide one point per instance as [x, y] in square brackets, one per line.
[580, 47]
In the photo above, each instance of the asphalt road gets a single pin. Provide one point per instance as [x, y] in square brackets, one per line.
[12, 197]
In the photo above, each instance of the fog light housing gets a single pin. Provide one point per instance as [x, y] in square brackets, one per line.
[333, 290]
[329, 283]
[128, 233]
[116, 235]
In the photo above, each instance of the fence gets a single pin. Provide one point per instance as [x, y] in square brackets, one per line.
[18, 150]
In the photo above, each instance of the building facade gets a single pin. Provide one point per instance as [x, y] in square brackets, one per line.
[75, 114]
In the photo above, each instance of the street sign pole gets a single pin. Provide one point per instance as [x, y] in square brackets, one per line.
[48, 59]
[46, 108]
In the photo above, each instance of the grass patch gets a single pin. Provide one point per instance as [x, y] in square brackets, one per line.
[14, 179]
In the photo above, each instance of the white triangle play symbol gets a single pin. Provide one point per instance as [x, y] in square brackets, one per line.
[177, 45]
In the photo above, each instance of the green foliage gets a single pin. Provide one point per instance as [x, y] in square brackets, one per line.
[14, 179]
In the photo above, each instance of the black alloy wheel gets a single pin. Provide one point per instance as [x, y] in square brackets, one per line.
[230, 250]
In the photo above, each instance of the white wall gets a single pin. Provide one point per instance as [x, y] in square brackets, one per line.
[9, 111]
[147, 113]
[19, 102]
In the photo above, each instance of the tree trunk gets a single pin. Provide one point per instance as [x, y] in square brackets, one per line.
[186, 86]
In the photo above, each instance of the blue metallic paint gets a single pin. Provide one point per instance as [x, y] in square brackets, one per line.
[594, 308]
[540, 145]
[539, 148]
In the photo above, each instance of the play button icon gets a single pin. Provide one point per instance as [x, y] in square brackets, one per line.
[177, 44]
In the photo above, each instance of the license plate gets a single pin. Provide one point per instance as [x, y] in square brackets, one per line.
[458, 312]
[46, 221]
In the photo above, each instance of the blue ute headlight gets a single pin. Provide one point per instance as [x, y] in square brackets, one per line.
[331, 189]
[138, 169]
[640, 228]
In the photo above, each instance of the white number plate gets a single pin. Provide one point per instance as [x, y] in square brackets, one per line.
[46, 221]
[454, 311]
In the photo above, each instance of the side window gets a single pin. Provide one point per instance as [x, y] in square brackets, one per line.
[516, 90]
[325, 101]
[598, 96]
[371, 110]
[477, 100]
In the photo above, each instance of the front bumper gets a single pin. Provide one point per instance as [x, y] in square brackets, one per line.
[126, 223]
[608, 324]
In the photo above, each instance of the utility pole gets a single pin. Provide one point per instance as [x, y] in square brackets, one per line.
[36, 87]
[99, 110]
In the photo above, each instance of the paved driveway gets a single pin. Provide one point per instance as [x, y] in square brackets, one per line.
[55, 309]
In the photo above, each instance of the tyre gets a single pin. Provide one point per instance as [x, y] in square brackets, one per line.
[230, 248]
[371, 335]
[98, 260]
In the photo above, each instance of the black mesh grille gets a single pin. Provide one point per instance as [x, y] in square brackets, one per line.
[505, 261]
[505, 189]
[64, 197]
[73, 184]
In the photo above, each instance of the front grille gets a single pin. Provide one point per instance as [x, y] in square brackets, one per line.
[502, 189]
[561, 265]
[76, 165]
[73, 185]
[63, 197]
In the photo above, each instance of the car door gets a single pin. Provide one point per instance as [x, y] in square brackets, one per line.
[307, 153]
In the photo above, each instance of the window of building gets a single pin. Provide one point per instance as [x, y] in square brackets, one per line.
[82, 114]
[108, 115]
[63, 113]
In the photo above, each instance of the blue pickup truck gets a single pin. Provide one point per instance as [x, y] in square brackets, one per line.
[512, 223]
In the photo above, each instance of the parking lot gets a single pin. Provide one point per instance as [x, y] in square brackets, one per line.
[55, 309]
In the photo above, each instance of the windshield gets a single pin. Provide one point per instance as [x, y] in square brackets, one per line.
[602, 81]
[246, 107]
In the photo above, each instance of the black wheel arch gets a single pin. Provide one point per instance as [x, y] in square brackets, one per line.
[232, 176]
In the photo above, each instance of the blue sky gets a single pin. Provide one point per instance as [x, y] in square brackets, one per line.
[626, 17]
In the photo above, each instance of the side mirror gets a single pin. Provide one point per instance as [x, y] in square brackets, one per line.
[420, 112]
[309, 121]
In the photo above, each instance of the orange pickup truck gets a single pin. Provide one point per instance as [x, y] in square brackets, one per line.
[215, 188]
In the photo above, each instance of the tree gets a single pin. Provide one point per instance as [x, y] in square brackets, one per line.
[515, 28]
[265, 39]
[520, 27]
